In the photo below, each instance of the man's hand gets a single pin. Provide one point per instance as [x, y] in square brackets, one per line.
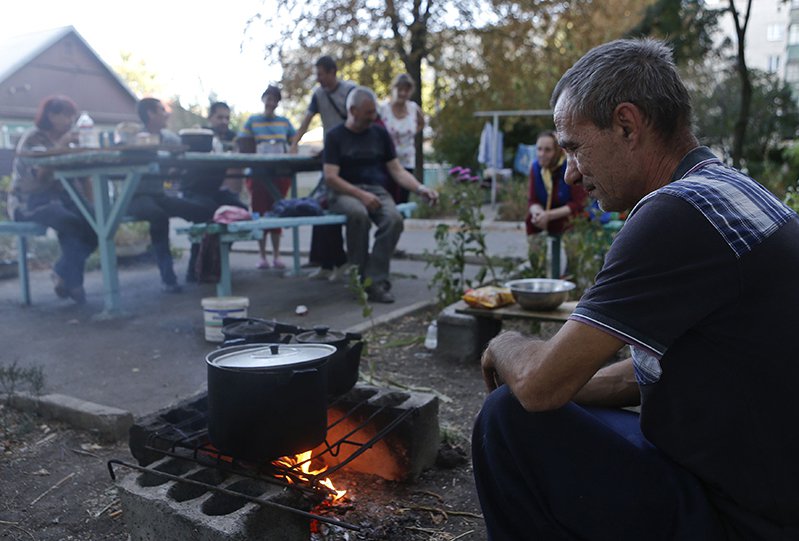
[428, 194]
[496, 355]
[369, 200]
[294, 148]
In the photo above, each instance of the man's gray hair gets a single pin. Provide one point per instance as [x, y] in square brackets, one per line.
[358, 95]
[638, 71]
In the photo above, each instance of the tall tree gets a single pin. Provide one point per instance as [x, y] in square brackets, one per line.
[688, 25]
[741, 25]
[354, 30]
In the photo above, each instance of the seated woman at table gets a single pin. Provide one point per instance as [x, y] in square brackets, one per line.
[37, 196]
[271, 134]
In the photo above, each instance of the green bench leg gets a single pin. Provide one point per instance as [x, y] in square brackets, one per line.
[22, 263]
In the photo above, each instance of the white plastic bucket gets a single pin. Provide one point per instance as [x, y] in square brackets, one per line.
[215, 309]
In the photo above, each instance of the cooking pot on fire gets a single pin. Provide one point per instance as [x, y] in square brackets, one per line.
[342, 371]
[267, 400]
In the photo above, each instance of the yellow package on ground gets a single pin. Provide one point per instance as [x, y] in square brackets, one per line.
[488, 297]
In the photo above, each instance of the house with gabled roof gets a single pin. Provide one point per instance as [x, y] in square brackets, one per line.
[58, 61]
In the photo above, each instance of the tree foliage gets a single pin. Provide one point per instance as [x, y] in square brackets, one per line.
[688, 25]
[773, 116]
[137, 75]
[514, 66]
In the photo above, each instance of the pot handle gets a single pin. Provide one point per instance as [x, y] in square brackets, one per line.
[354, 336]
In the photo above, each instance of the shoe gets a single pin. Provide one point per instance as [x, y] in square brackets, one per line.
[342, 273]
[380, 293]
[78, 295]
[171, 288]
[321, 274]
[278, 264]
[59, 286]
[263, 264]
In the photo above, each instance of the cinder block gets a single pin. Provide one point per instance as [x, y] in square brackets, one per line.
[408, 449]
[158, 509]
[461, 337]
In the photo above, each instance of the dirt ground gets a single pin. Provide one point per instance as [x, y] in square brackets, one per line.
[55, 484]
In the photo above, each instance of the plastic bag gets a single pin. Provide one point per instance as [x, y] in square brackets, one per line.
[488, 297]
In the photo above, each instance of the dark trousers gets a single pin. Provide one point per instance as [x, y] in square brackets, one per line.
[157, 209]
[209, 202]
[581, 473]
[76, 237]
[327, 246]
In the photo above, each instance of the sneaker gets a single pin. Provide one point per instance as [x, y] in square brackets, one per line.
[380, 293]
[278, 264]
[263, 264]
[321, 274]
[171, 288]
[59, 286]
[342, 273]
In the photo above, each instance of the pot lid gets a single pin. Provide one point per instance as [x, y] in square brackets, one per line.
[321, 335]
[250, 327]
[269, 355]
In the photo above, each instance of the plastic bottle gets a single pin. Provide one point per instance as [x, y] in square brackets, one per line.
[431, 340]
[87, 135]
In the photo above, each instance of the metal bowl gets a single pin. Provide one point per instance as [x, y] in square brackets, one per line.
[540, 293]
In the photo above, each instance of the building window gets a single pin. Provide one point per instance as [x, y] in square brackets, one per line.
[793, 34]
[773, 64]
[774, 32]
[792, 73]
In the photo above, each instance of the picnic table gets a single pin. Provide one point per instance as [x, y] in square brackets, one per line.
[116, 172]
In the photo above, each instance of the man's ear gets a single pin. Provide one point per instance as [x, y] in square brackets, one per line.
[628, 121]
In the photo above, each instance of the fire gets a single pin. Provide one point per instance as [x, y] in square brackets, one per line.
[305, 473]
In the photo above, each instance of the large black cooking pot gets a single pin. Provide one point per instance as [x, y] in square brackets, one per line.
[342, 371]
[268, 400]
[240, 331]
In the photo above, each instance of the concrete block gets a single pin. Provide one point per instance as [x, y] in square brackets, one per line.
[410, 447]
[461, 337]
[159, 509]
[108, 423]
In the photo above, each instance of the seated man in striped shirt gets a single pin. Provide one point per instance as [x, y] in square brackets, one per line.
[701, 283]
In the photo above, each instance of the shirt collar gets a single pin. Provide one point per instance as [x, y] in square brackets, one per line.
[695, 159]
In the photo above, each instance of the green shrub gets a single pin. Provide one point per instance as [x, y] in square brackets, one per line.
[512, 197]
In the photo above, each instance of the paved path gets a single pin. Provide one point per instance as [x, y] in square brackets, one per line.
[155, 355]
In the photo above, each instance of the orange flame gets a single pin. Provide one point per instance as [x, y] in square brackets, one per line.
[305, 472]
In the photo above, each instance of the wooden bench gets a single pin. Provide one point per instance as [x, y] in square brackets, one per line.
[23, 230]
[254, 230]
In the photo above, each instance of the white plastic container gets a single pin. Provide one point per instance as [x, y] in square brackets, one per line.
[215, 309]
[87, 135]
[431, 340]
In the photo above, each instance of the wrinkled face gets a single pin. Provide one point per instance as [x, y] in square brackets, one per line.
[402, 93]
[597, 158]
[62, 122]
[546, 151]
[158, 117]
[220, 120]
[270, 104]
[326, 79]
[363, 115]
